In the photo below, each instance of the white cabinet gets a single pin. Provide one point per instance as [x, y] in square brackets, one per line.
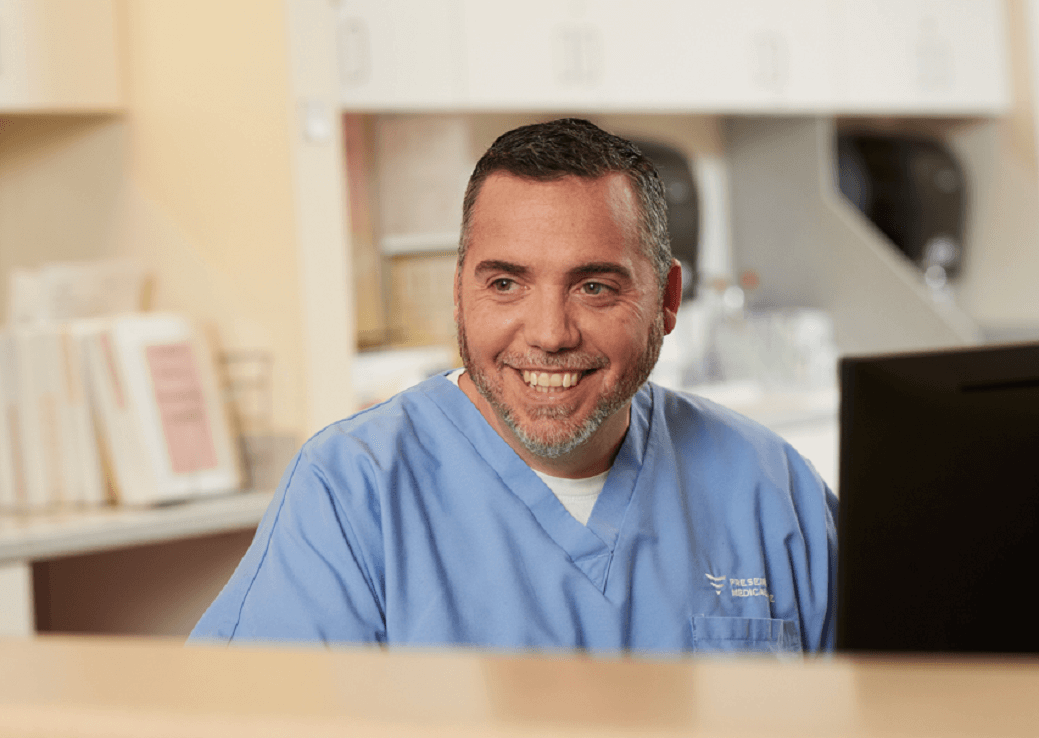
[941, 57]
[653, 55]
[780, 55]
[399, 54]
[752, 55]
[921, 56]
[543, 53]
[58, 56]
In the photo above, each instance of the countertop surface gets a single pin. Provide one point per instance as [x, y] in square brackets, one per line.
[79, 687]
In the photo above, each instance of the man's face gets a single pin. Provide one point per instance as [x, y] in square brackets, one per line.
[558, 310]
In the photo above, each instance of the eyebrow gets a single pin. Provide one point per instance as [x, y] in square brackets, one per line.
[584, 270]
[601, 267]
[496, 265]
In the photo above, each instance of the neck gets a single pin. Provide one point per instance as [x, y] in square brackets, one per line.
[592, 457]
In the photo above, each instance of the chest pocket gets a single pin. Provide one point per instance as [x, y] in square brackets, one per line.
[744, 635]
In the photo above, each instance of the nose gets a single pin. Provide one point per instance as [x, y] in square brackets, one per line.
[550, 325]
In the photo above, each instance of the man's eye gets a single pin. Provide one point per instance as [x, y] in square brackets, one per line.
[593, 288]
[503, 285]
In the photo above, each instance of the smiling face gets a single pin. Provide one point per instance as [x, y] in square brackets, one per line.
[559, 316]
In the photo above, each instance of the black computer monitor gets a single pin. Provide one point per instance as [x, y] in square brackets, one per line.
[938, 529]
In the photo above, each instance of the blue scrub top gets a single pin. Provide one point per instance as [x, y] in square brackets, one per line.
[414, 522]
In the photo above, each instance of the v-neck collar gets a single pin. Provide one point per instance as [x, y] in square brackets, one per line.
[590, 547]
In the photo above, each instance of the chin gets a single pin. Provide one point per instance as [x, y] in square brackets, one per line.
[552, 444]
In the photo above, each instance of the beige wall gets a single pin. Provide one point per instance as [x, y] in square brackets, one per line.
[61, 183]
[208, 201]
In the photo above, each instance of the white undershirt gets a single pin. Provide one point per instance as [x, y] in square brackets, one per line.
[577, 495]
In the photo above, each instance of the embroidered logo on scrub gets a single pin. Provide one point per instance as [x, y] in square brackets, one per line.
[753, 587]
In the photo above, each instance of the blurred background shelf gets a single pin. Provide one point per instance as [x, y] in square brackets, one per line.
[120, 570]
[39, 536]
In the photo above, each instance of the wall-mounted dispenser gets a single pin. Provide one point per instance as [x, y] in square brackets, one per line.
[914, 192]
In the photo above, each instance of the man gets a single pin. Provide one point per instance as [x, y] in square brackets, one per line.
[547, 497]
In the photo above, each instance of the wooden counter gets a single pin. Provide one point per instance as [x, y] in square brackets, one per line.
[104, 687]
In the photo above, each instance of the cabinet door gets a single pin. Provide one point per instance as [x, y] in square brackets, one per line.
[58, 56]
[542, 54]
[780, 55]
[396, 54]
[697, 55]
[921, 56]
[751, 55]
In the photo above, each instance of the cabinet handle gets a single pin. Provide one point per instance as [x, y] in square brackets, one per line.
[354, 52]
[935, 71]
[770, 61]
[578, 55]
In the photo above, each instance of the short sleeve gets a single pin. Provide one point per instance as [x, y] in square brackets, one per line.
[304, 578]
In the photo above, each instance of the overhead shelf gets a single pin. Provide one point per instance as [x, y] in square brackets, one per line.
[39, 536]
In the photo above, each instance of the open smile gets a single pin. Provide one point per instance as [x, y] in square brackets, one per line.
[547, 381]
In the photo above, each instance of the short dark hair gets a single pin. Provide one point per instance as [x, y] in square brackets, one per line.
[575, 147]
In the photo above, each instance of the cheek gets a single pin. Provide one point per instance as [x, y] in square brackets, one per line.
[497, 318]
[487, 331]
[622, 339]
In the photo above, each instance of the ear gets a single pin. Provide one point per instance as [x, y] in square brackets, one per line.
[672, 296]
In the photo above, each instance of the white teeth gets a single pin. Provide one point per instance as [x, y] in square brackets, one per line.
[542, 381]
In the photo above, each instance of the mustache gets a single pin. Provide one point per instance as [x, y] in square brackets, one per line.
[576, 361]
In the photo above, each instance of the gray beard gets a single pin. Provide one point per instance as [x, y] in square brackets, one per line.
[568, 436]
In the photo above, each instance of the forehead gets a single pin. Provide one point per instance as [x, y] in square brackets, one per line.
[572, 215]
